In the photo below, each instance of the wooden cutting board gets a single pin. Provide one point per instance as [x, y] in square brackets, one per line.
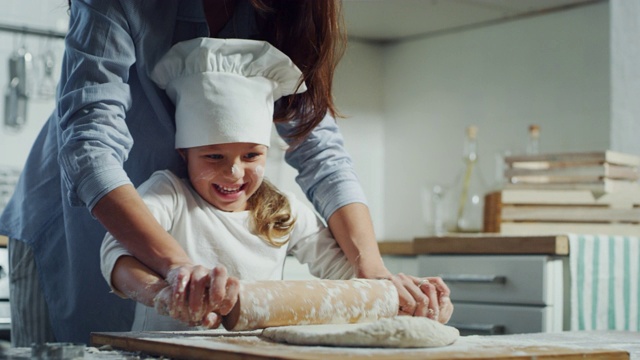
[249, 346]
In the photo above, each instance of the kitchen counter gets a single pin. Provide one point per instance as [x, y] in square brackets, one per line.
[564, 345]
[584, 345]
[482, 243]
[557, 245]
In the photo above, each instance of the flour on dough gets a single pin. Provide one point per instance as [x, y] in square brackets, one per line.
[400, 331]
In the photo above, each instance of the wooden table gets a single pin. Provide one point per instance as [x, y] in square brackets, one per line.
[215, 344]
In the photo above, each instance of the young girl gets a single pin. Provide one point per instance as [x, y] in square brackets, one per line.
[226, 216]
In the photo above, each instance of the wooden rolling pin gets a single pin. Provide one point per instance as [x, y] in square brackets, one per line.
[263, 304]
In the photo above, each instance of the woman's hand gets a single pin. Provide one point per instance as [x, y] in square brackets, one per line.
[427, 297]
[197, 295]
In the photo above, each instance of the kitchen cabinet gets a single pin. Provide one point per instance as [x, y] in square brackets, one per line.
[5, 309]
[502, 294]
[406, 264]
[399, 257]
[499, 284]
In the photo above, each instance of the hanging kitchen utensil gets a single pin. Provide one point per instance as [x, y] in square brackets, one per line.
[47, 82]
[15, 110]
[17, 93]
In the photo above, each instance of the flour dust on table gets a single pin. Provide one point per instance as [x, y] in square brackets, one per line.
[396, 332]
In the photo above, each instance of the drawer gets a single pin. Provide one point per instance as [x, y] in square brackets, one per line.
[527, 280]
[485, 319]
[5, 315]
[407, 264]
[4, 274]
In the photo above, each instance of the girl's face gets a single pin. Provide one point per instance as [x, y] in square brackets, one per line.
[226, 175]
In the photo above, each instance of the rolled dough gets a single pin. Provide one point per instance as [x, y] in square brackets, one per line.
[400, 332]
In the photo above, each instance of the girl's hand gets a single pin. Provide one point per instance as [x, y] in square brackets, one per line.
[197, 295]
[222, 296]
[427, 297]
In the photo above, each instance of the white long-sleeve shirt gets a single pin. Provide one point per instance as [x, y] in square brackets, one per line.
[214, 237]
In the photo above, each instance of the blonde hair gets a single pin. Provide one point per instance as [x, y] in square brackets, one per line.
[271, 217]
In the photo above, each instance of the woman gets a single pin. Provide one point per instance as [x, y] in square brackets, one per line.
[113, 128]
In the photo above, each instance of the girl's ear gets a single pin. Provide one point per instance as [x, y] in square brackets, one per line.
[183, 153]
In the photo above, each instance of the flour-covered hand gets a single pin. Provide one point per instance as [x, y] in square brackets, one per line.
[222, 296]
[162, 301]
[441, 307]
[198, 295]
[425, 297]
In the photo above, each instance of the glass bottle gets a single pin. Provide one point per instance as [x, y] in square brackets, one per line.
[533, 145]
[433, 201]
[470, 187]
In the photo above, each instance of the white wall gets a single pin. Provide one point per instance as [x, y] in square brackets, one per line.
[552, 70]
[359, 94]
[625, 76]
[407, 104]
[44, 15]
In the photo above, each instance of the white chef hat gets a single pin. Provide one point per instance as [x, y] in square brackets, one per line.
[224, 89]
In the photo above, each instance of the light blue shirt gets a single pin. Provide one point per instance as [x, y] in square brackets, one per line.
[112, 126]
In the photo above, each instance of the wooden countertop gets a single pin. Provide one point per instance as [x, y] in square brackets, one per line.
[249, 345]
[3, 241]
[494, 244]
[396, 247]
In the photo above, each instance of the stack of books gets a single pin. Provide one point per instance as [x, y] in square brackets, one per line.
[588, 193]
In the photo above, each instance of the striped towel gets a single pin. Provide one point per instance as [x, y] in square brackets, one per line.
[605, 285]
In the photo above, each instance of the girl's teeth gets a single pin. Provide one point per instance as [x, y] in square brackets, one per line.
[227, 190]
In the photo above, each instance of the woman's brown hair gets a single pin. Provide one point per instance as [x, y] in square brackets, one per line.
[271, 217]
[309, 32]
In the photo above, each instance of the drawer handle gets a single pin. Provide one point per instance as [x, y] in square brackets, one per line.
[472, 278]
[488, 329]
[2, 272]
